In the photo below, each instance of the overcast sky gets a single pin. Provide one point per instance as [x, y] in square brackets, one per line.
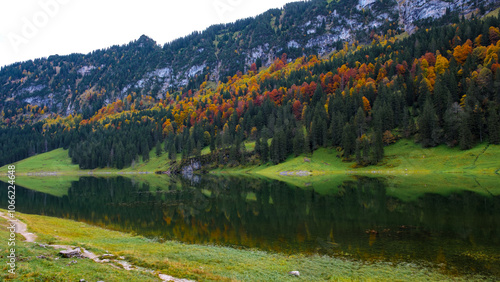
[32, 29]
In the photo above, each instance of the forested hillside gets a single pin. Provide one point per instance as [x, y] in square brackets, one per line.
[438, 86]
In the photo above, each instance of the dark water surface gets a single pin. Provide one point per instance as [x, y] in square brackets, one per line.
[459, 231]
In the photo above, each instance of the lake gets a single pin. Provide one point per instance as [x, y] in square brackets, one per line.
[357, 217]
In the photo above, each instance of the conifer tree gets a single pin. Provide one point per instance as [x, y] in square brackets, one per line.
[264, 151]
[172, 152]
[427, 124]
[378, 143]
[465, 133]
[298, 141]
[348, 140]
[158, 150]
[493, 124]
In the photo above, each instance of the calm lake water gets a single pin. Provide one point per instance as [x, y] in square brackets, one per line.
[359, 217]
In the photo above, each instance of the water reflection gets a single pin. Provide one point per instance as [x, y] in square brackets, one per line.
[458, 231]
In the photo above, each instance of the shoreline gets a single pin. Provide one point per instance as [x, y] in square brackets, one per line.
[200, 262]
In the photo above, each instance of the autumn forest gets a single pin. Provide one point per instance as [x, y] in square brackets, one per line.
[441, 85]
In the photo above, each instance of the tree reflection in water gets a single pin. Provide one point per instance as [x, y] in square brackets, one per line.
[360, 220]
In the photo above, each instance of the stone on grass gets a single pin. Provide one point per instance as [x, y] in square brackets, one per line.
[294, 273]
[71, 253]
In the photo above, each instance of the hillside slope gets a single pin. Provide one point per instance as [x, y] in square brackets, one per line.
[437, 86]
[84, 83]
[404, 157]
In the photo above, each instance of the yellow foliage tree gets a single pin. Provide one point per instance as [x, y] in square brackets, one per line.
[442, 64]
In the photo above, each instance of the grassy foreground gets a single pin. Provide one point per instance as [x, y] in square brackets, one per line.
[202, 263]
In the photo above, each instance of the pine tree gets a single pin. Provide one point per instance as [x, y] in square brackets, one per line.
[360, 123]
[406, 123]
[258, 146]
[378, 147]
[493, 124]
[158, 150]
[307, 144]
[452, 124]
[282, 146]
[298, 141]
[212, 144]
[378, 143]
[145, 151]
[427, 124]
[442, 98]
[172, 153]
[465, 133]
[348, 140]
[496, 85]
[264, 151]
[358, 150]
[274, 150]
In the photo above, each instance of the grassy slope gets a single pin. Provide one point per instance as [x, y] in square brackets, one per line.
[58, 161]
[404, 157]
[202, 263]
[31, 268]
[401, 158]
[493, 13]
[446, 170]
[413, 171]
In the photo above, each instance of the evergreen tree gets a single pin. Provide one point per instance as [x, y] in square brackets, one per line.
[360, 122]
[348, 140]
[158, 149]
[275, 150]
[442, 98]
[378, 146]
[427, 124]
[465, 133]
[496, 85]
[452, 124]
[258, 146]
[145, 151]
[493, 124]
[307, 144]
[358, 149]
[212, 144]
[172, 152]
[264, 151]
[298, 141]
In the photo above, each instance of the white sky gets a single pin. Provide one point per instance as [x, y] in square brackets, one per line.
[32, 29]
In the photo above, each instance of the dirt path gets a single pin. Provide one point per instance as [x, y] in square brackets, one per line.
[22, 228]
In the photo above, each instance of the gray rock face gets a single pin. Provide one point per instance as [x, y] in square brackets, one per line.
[187, 171]
[411, 11]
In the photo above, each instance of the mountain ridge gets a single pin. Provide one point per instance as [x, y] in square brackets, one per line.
[143, 66]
